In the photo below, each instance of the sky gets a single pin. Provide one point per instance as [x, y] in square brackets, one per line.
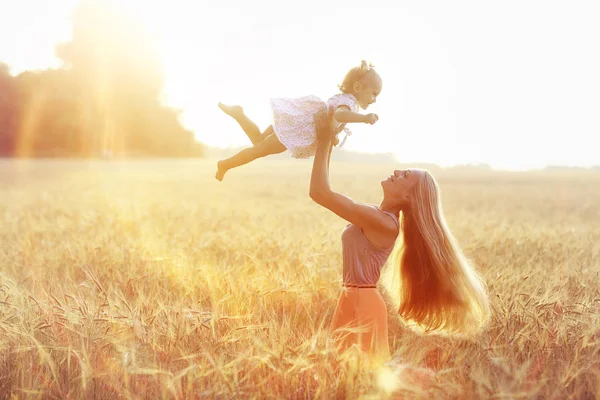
[514, 84]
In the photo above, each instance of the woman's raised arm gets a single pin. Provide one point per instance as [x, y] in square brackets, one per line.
[362, 215]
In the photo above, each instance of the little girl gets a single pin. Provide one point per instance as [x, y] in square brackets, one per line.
[293, 127]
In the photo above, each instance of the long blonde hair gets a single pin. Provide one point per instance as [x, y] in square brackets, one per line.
[438, 289]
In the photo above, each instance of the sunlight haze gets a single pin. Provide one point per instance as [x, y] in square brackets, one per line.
[514, 84]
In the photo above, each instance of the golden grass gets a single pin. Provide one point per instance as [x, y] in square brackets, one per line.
[150, 279]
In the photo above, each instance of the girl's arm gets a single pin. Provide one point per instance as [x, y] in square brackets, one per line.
[344, 115]
[362, 215]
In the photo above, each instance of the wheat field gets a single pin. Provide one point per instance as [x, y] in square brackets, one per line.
[150, 279]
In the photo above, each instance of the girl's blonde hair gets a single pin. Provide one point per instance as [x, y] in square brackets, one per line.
[438, 289]
[356, 74]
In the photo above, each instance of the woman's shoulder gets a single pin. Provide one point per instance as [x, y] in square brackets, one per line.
[392, 215]
[380, 238]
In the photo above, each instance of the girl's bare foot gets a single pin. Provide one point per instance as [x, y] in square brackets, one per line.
[221, 170]
[232, 111]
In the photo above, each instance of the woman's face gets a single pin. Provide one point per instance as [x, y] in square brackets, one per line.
[400, 183]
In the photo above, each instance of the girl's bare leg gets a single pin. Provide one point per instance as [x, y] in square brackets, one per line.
[251, 129]
[269, 145]
[267, 132]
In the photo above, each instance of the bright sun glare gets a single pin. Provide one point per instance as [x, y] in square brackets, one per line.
[388, 380]
[459, 86]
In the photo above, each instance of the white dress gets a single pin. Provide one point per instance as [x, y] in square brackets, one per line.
[293, 121]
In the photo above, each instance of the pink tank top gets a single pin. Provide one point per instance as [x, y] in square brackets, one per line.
[362, 259]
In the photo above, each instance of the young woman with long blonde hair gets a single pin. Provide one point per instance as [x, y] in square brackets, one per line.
[437, 288]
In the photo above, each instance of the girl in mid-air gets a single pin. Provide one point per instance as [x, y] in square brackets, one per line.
[293, 125]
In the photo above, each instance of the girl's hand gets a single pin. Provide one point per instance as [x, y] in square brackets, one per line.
[336, 140]
[371, 118]
[324, 126]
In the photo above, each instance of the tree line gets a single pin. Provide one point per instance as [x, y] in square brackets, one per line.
[104, 101]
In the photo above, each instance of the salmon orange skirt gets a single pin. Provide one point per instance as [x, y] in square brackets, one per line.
[361, 318]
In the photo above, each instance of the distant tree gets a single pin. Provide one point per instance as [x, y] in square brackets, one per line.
[9, 113]
[556, 168]
[480, 166]
[115, 80]
[104, 100]
[49, 115]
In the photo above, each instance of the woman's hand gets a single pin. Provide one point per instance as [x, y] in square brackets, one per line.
[324, 126]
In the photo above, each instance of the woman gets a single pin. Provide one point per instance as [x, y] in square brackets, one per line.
[438, 290]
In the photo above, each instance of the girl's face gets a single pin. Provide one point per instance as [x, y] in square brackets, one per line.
[367, 89]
